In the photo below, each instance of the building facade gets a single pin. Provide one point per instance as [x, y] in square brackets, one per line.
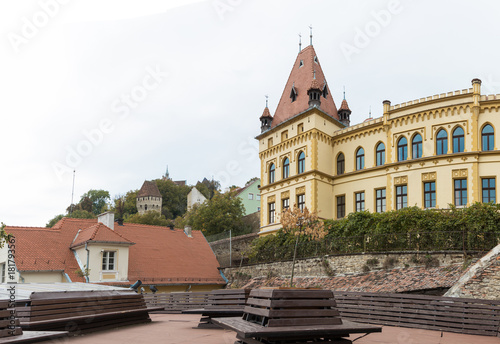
[429, 152]
[250, 197]
[194, 197]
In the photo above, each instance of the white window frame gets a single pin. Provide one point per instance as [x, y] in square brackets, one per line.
[105, 260]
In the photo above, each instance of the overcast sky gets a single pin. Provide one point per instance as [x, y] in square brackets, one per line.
[119, 89]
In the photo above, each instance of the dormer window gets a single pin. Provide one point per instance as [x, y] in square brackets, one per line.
[316, 59]
[293, 94]
[301, 63]
[325, 91]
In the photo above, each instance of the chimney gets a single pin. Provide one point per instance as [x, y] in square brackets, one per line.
[187, 230]
[107, 219]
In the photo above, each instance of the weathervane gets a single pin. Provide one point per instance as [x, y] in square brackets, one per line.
[344, 91]
[267, 97]
[311, 35]
[300, 42]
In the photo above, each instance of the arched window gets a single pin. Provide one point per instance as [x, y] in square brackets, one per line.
[301, 167]
[402, 149]
[286, 168]
[488, 138]
[380, 154]
[458, 140]
[442, 142]
[271, 173]
[360, 159]
[416, 147]
[340, 164]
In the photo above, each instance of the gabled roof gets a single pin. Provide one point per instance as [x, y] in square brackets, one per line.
[149, 188]
[241, 190]
[160, 255]
[302, 77]
[99, 233]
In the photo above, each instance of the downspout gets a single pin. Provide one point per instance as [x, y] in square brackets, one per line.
[87, 266]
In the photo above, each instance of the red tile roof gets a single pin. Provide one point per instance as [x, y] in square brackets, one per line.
[301, 78]
[160, 255]
[149, 188]
[266, 113]
[344, 105]
[99, 233]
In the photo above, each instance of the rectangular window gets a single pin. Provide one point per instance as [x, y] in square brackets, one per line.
[300, 128]
[360, 201]
[250, 196]
[430, 195]
[271, 212]
[401, 196]
[108, 260]
[270, 142]
[460, 192]
[340, 207]
[380, 200]
[301, 202]
[257, 197]
[258, 208]
[284, 135]
[285, 204]
[3, 272]
[489, 192]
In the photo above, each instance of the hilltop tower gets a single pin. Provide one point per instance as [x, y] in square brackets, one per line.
[148, 198]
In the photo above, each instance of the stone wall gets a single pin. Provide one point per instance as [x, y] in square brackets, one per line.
[239, 247]
[342, 265]
[481, 280]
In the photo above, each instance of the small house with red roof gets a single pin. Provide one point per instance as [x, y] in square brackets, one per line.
[104, 252]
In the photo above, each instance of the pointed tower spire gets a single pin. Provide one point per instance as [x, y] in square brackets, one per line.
[266, 119]
[295, 97]
[344, 112]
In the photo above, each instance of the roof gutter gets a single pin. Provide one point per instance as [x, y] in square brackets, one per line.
[87, 266]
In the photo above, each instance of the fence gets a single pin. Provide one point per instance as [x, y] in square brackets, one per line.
[273, 251]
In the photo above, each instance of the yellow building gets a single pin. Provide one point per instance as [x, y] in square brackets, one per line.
[429, 152]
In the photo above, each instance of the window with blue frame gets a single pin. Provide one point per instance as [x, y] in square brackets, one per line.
[402, 149]
[360, 159]
[488, 138]
[380, 154]
[416, 147]
[458, 138]
[489, 190]
[442, 142]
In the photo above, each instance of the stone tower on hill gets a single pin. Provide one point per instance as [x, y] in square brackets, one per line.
[148, 198]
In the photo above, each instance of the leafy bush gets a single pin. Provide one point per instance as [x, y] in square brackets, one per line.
[476, 228]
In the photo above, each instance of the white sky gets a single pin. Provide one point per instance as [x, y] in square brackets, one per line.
[215, 60]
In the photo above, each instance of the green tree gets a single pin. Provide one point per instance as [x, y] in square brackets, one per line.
[174, 198]
[149, 218]
[208, 188]
[4, 237]
[222, 213]
[99, 199]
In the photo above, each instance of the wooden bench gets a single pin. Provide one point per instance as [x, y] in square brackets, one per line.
[11, 331]
[176, 302]
[82, 311]
[449, 314]
[221, 303]
[287, 316]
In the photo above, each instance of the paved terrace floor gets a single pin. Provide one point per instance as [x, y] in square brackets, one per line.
[178, 329]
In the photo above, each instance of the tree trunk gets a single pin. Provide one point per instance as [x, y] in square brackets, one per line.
[293, 264]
